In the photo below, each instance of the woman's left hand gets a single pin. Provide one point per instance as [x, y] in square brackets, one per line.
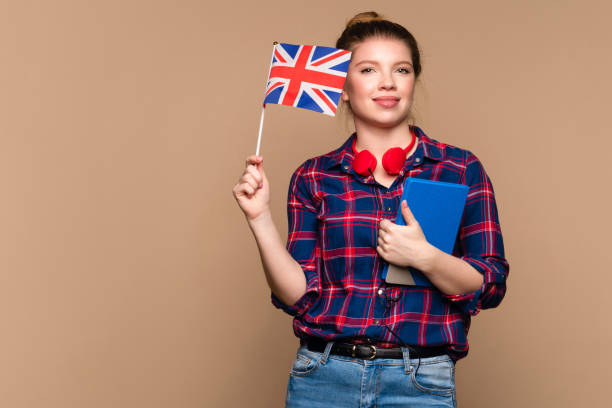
[404, 245]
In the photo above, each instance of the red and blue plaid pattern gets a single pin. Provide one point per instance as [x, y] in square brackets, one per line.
[333, 218]
[307, 76]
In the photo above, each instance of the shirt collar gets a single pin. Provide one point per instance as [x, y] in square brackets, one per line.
[426, 147]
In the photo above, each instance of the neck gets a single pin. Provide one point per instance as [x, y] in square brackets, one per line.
[378, 140]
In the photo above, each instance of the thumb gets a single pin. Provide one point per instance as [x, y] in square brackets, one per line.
[408, 216]
[260, 169]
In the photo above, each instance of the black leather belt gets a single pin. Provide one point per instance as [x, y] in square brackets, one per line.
[370, 352]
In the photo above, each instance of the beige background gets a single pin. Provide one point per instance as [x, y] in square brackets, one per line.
[129, 277]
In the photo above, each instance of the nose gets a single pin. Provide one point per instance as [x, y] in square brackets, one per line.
[386, 81]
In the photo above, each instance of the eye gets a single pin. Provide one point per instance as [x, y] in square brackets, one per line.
[366, 70]
[404, 70]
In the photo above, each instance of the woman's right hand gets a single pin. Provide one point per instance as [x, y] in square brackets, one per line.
[253, 190]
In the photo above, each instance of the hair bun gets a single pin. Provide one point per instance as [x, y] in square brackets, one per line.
[364, 17]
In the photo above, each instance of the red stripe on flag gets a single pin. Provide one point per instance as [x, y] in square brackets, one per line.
[273, 87]
[299, 71]
[325, 99]
[314, 77]
[330, 57]
[279, 56]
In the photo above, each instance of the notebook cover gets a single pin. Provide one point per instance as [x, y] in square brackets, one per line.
[438, 207]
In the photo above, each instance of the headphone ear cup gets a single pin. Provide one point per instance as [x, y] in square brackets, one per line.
[363, 161]
[393, 160]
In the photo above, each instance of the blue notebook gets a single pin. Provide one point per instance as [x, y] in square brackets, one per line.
[438, 207]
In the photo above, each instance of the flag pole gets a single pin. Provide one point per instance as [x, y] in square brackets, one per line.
[263, 108]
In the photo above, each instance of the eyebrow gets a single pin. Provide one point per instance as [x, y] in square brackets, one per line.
[375, 63]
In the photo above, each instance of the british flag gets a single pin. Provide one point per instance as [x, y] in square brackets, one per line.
[307, 76]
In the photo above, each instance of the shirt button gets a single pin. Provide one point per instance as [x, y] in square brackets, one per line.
[380, 291]
[418, 159]
[377, 322]
[388, 208]
[346, 167]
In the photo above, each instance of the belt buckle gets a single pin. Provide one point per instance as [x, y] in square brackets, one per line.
[371, 357]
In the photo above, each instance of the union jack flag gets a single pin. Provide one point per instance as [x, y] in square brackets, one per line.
[307, 76]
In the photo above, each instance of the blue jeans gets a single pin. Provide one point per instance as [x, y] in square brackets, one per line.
[321, 379]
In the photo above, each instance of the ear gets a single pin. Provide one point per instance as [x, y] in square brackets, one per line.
[344, 96]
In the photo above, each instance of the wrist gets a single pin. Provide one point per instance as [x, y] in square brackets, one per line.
[260, 220]
[429, 259]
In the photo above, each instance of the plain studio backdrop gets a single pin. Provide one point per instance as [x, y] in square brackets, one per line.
[129, 277]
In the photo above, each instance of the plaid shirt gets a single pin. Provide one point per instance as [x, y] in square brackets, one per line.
[333, 221]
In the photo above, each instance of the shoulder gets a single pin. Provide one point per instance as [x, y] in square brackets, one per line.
[442, 151]
[463, 157]
[316, 167]
[472, 168]
[461, 160]
[307, 172]
[308, 178]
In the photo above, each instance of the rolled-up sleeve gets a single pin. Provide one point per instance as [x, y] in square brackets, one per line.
[480, 242]
[302, 239]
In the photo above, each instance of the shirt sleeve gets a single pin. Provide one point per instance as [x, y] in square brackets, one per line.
[302, 240]
[480, 242]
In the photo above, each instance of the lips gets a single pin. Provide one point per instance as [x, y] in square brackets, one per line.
[386, 101]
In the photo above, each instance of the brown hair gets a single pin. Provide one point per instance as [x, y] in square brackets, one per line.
[370, 24]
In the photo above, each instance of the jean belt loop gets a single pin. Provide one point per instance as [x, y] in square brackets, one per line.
[407, 365]
[328, 348]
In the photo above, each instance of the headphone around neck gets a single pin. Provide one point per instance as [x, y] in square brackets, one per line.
[393, 160]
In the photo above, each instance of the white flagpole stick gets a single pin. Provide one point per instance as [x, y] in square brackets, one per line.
[260, 128]
[263, 109]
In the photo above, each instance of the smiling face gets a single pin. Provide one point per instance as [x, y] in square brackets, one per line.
[380, 82]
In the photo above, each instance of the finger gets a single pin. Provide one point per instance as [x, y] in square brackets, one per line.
[255, 174]
[250, 168]
[408, 216]
[381, 241]
[260, 169]
[254, 159]
[382, 225]
[248, 178]
[247, 189]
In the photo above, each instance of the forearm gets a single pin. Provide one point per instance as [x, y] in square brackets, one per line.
[451, 275]
[284, 275]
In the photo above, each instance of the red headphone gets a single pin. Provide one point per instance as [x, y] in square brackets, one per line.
[392, 161]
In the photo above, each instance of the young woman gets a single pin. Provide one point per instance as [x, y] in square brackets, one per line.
[363, 342]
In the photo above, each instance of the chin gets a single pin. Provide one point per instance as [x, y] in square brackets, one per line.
[386, 123]
[383, 118]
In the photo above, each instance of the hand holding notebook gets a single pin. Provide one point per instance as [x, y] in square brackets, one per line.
[438, 208]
